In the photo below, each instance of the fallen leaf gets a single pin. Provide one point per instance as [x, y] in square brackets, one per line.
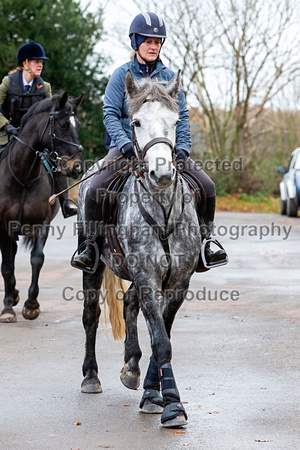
[213, 393]
[188, 389]
[76, 423]
[214, 412]
[203, 407]
[261, 440]
[178, 432]
[126, 404]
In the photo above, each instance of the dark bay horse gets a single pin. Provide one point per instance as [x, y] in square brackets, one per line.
[159, 233]
[48, 137]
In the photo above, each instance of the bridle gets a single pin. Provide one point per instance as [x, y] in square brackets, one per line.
[49, 157]
[142, 153]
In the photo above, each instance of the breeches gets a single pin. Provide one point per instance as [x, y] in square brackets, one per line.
[102, 179]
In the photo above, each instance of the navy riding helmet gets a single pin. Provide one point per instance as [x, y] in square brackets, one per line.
[147, 24]
[32, 50]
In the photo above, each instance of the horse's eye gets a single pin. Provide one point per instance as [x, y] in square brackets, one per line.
[137, 123]
[63, 126]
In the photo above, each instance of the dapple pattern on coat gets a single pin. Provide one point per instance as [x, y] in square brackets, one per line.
[158, 297]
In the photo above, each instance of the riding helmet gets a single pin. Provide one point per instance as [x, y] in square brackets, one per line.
[32, 50]
[147, 24]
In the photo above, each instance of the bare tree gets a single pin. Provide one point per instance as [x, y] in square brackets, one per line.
[235, 56]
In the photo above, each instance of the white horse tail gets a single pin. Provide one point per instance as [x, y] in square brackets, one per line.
[114, 288]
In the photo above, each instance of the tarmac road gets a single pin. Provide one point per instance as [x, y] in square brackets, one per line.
[235, 353]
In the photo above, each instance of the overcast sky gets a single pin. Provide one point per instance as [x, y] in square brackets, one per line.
[118, 14]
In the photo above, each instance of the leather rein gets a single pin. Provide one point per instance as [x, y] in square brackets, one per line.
[51, 157]
[48, 157]
[162, 232]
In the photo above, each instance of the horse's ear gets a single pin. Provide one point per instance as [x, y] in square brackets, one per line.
[77, 101]
[63, 100]
[173, 87]
[131, 85]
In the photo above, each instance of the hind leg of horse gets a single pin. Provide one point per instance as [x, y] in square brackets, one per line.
[130, 374]
[159, 325]
[90, 318]
[31, 308]
[11, 296]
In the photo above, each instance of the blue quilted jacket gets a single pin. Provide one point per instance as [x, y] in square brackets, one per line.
[116, 120]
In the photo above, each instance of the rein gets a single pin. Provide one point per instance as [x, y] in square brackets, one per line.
[51, 157]
[163, 232]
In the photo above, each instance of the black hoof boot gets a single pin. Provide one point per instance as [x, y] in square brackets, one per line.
[152, 402]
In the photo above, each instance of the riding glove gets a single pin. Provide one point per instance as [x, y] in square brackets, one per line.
[181, 156]
[11, 130]
[128, 151]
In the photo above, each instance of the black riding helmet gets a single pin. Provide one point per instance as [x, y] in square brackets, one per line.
[32, 50]
[147, 24]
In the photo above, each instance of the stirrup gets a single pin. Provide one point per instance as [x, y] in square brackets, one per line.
[97, 253]
[209, 265]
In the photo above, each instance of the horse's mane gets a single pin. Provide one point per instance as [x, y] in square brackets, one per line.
[39, 107]
[151, 91]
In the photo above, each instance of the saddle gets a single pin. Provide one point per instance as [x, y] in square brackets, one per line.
[110, 206]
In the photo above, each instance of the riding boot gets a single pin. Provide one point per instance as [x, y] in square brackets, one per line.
[212, 259]
[68, 206]
[93, 216]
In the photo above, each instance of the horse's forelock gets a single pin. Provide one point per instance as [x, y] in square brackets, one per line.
[151, 91]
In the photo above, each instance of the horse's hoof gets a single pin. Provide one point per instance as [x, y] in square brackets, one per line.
[177, 422]
[151, 408]
[129, 379]
[91, 387]
[16, 297]
[8, 317]
[174, 416]
[151, 402]
[30, 314]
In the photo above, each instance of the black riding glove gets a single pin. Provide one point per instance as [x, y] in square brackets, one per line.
[11, 130]
[181, 156]
[128, 151]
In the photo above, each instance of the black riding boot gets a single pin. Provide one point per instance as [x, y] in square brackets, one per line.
[212, 259]
[93, 216]
[68, 206]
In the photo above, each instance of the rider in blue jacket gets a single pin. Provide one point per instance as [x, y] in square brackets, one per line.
[147, 33]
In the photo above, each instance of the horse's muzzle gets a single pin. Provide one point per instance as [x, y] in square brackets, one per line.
[162, 180]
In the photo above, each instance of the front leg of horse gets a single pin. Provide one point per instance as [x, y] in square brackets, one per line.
[174, 414]
[130, 374]
[152, 401]
[91, 313]
[31, 308]
[11, 296]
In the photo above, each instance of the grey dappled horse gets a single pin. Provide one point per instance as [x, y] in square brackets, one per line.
[161, 244]
[48, 136]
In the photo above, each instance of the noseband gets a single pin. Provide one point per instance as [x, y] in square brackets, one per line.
[142, 153]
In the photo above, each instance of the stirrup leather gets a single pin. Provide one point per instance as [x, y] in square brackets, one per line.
[81, 247]
[209, 265]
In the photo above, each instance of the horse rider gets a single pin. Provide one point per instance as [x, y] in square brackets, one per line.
[147, 33]
[20, 89]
